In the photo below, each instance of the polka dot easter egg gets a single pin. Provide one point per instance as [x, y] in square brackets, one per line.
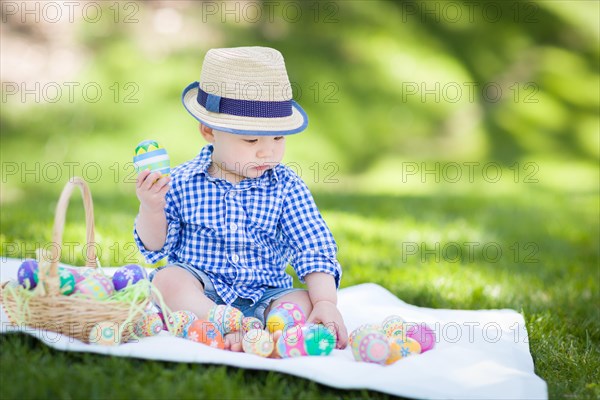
[258, 342]
[402, 347]
[422, 334]
[28, 274]
[205, 332]
[285, 316]
[291, 343]
[371, 346]
[128, 275]
[96, 286]
[105, 333]
[150, 155]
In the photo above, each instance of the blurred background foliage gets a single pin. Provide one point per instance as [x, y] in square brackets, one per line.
[383, 82]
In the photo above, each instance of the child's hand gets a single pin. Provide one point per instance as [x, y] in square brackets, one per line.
[151, 189]
[327, 313]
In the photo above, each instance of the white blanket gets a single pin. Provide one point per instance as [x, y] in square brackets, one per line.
[481, 354]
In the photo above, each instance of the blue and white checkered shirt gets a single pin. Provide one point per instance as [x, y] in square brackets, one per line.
[243, 236]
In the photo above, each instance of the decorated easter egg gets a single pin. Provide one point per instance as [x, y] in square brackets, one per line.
[291, 343]
[179, 322]
[128, 275]
[258, 342]
[77, 274]
[150, 155]
[162, 318]
[422, 334]
[226, 318]
[249, 323]
[28, 274]
[371, 346]
[150, 324]
[393, 326]
[207, 333]
[318, 340]
[285, 316]
[95, 286]
[105, 333]
[67, 281]
[402, 347]
[361, 329]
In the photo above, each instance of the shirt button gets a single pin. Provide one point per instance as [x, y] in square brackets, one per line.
[235, 258]
[233, 227]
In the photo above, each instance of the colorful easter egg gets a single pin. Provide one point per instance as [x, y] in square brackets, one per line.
[318, 340]
[371, 346]
[291, 343]
[67, 281]
[162, 317]
[285, 316]
[226, 318]
[150, 155]
[205, 332]
[150, 324]
[77, 274]
[105, 333]
[402, 347]
[179, 322]
[422, 334]
[249, 323]
[393, 326]
[96, 286]
[258, 342]
[128, 275]
[362, 328]
[28, 274]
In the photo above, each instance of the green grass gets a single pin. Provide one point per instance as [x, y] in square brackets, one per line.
[548, 270]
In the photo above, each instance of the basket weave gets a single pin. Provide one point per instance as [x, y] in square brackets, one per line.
[50, 310]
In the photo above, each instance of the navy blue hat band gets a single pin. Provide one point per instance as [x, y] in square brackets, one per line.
[244, 108]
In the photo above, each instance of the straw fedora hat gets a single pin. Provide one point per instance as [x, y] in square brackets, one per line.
[245, 90]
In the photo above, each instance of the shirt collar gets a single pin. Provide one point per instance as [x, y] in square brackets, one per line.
[200, 164]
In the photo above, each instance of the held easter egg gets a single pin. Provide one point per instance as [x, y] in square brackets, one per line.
[28, 274]
[318, 340]
[258, 342]
[150, 155]
[285, 316]
[422, 334]
[205, 332]
[128, 275]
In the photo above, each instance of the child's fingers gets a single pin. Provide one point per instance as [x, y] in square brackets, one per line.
[141, 178]
[160, 184]
[150, 180]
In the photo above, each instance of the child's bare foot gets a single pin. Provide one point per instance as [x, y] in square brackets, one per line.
[233, 341]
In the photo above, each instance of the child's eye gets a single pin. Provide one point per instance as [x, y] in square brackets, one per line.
[250, 140]
[278, 137]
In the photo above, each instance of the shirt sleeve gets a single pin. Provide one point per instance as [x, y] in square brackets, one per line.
[174, 227]
[305, 231]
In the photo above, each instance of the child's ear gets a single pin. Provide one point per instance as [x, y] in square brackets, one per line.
[207, 133]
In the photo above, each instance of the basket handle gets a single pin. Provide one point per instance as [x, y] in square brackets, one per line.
[59, 224]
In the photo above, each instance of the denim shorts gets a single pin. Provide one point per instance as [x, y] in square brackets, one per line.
[256, 310]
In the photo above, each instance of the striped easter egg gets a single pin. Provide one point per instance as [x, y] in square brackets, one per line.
[150, 155]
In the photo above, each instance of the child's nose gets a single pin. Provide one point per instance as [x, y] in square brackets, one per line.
[265, 151]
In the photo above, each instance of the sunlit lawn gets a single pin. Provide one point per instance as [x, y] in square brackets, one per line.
[470, 245]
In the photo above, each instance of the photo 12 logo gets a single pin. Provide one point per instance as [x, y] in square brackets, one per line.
[71, 92]
[52, 12]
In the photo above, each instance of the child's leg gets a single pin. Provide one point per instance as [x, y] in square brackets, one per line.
[183, 291]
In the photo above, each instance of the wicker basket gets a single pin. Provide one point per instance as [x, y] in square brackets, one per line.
[50, 310]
